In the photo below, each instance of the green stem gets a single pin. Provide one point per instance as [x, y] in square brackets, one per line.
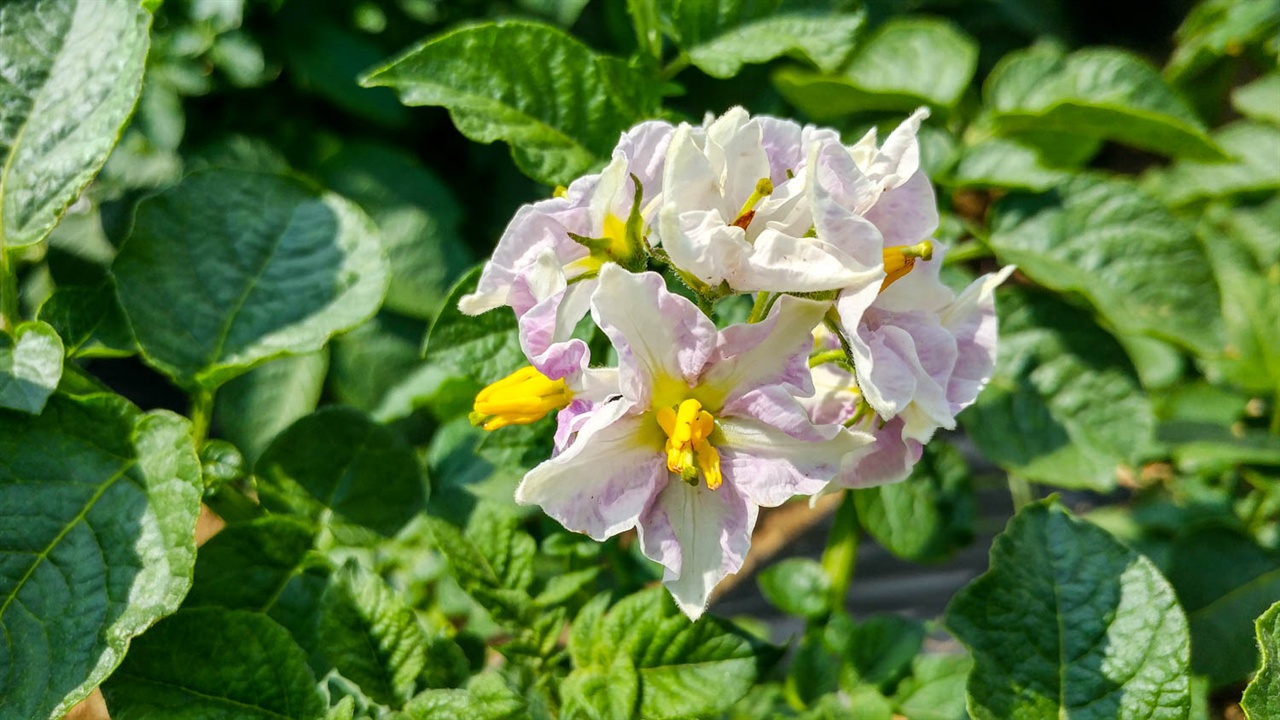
[1020, 490]
[674, 67]
[825, 356]
[758, 307]
[964, 252]
[201, 416]
[1275, 413]
[8, 290]
[841, 555]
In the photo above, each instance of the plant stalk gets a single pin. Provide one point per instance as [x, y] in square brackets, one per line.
[8, 290]
[1020, 490]
[201, 416]
[840, 558]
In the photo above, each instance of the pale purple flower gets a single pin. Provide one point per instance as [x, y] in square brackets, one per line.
[705, 430]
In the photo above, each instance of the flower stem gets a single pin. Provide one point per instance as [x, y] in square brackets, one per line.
[825, 356]
[674, 67]
[201, 416]
[1020, 490]
[1275, 413]
[8, 290]
[964, 252]
[758, 307]
[841, 555]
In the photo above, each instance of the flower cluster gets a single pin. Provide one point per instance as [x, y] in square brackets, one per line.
[853, 355]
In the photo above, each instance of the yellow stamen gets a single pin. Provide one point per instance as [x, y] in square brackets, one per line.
[560, 191]
[764, 188]
[899, 260]
[689, 450]
[523, 397]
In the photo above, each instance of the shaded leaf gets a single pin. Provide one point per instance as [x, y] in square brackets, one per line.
[98, 506]
[1262, 697]
[339, 467]
[215, 663]
[90, 321]
[486, 697]
[1063, 406]
[73, 71]
[1260, 99]
[229, 269]
[928, 516]
[1070, 623]
[797, 586]
[1140, 266]
[485, 348]
[252, 409]
[934, 690]
[822, 40]
[1250, 167]
[30, 366]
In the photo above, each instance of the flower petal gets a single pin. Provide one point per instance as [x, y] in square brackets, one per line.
[906, 214]
[770, 352]
[600, 484]
[972, 319]
[699, 536]
[888, 459]
[663, 340]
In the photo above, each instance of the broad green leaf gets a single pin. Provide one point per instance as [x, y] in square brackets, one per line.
[797, 586]
[644, 17]
[823, 40]
[98, 506]
[30, 366]
[561, 115]
[1006, 163]
[338, 467]
[696, 21]
[686, 669]
[371, 636]
[1069, 623]
[934, 690]
[90, 321]
[208, 663]
[418, 219]
[254, 408]
[1222, 597]
[814, 670]
[1251, 167]
[598, 693]
[928, 516]
[1217, 30]
[1244, 247]
[368, 361]
[73, 71]
[1262, 697]
[1140, 266]
[1096, 93]
[485, 348]
[1260, 99]
[1063, 407]
[486, 697]
[906, 63]
[879, 651]
[230, 268]
[492, 561]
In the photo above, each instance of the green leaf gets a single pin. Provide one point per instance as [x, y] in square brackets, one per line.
[644, 17]
[231, 268]
[97, 527]
[214, 663]
[927, 517]
[935, 688]
[1262, 697]
[486, 697]
[367, 362]
[561, 115]
[338, 467]
[1140, 266]
[822, 40]
[906, 63]
[1244, 248]
[686, 669]
[598, 693]
[254, 408]
[73, 71]
[485, 348]
[1222, 598]
[90, 321]
[418, 219]
[696, 21]
[880, 650]
[30, 366]
[1217, 30]
[797, 586]
[1070, 623]
[1096, 93]
[1063, 406]
[1260, 99]
[371, 636]
[1251, 147]
[1006, 163]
